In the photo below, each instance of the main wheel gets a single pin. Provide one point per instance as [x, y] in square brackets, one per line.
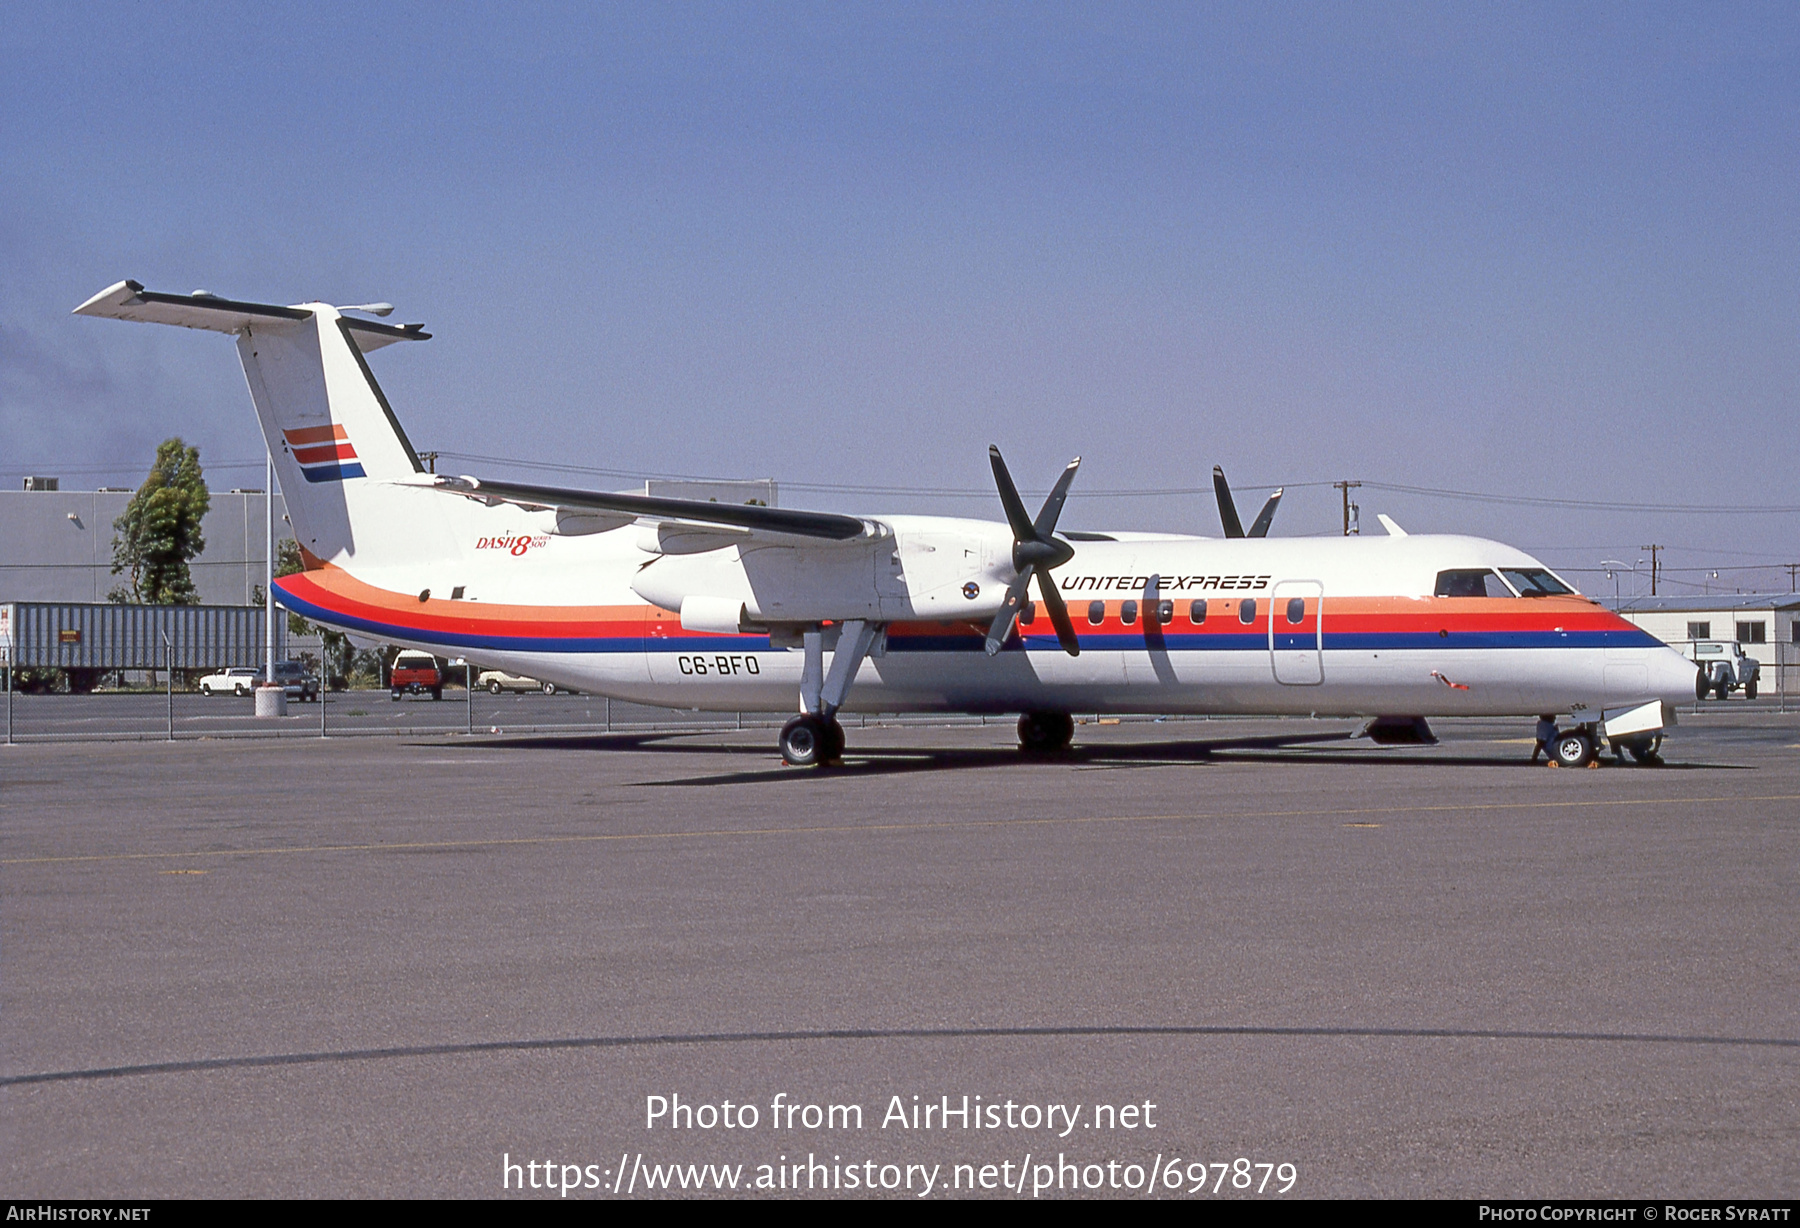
[834, 734]
[549, 688]
[805, 741]
[494, 687]
[1750, 689]
[1045, 732]
[1574, 748]
[1644, 749]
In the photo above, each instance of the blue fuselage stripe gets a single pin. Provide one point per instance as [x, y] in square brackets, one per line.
[1250, 641]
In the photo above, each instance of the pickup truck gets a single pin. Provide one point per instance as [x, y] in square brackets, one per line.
[240, 681]
[243, 681]
[1722, 666]
[415, 673]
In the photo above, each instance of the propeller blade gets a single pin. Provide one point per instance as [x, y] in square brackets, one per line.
[1009, 610]
[1227, 509]
[1266, 516]
[1047, 516]
[1016, 515]
[1059, 614]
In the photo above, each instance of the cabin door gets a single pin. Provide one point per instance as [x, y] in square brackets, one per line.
[1297, 632]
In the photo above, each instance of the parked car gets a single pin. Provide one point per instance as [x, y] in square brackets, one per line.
[1722, 667]
[496, 681]
[415, 673]
[294, 678]
[240, 681]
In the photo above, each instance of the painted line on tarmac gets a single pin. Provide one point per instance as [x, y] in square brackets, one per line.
[716, 1038]
[851, 828]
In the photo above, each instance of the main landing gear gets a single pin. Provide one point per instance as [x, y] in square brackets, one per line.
[814, 737]
[808, 740]
[1046, 733]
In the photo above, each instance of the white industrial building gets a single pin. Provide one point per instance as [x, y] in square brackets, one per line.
[1766, 624]
[56, 545]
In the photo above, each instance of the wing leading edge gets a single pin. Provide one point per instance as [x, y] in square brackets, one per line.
[825, 526]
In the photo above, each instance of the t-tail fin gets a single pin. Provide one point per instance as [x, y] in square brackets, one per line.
[328, 426]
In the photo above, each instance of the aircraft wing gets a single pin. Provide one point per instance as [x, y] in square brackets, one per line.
[759, 521]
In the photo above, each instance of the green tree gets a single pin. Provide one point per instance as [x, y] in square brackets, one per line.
[159, 534]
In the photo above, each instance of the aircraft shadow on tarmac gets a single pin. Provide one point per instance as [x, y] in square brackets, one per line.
[802, 1036]
[1288, 749]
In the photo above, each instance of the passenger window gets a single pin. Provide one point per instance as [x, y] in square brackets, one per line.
[1296, 610]
[1128, 612]
[1165, 612]
[1028, 613]
[1096, 613]
[1470, 582]
[1197, 615]
[1247, 611]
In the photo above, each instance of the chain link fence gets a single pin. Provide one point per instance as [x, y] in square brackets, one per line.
[173, 711]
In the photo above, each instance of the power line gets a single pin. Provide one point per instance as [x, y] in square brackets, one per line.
[985, 492]
[1598, 505]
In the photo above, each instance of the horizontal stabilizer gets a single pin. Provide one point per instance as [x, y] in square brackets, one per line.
[825, 525]
[128, 300]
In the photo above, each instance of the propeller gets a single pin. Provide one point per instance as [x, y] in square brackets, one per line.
[1228, 510]
[1036, 550]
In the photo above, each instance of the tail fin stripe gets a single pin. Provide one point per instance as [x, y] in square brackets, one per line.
[333, 473]
[330, 452]
[315, 434]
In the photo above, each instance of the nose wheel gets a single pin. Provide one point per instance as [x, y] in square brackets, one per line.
[1573, 748]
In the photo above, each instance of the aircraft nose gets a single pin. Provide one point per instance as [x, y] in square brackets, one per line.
[1671, 676]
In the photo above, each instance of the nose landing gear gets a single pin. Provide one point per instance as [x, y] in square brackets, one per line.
[1573, 748]
[1580, 747]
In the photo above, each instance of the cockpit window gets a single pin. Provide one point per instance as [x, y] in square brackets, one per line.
[1534, 582]
[1470, 583]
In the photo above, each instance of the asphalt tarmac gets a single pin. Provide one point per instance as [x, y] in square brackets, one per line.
[384, 966]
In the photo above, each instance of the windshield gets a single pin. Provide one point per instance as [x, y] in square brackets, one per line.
[1470, 582]
[1534, 582]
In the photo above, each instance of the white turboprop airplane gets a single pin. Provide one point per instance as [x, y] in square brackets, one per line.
[687, 604]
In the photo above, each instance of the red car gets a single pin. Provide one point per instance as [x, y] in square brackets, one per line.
[417, 673]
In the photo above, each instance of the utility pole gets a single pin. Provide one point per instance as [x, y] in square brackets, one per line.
[1654, 565]
[1347, 487]
[430, 459]
[269, 569]
[1791, 569]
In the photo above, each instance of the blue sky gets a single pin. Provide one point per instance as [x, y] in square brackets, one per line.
[1551, 250]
